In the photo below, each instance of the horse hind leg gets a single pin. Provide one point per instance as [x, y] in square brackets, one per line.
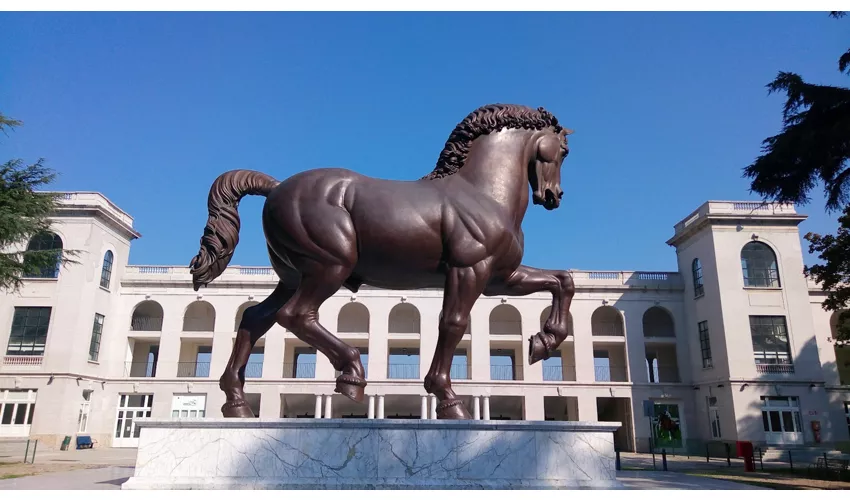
[300, 316]
[256, 321]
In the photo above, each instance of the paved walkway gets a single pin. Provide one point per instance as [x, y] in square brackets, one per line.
[111, 478]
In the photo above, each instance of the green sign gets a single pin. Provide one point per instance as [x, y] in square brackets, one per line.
[666, 426]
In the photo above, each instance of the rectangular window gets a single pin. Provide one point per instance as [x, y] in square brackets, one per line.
[29, 331]
[96, 333]
[770, 340]
[714, 417]
[705, 344]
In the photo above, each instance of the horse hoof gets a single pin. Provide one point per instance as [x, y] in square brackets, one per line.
[537, 350]
[452, 409]
[351, 387]
[237, 409]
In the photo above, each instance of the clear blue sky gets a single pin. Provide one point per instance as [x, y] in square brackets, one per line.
[149, 108]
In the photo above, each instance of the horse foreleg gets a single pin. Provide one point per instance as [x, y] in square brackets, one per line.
[301, 316]
[463, 286]
[256, 321]
[527, 280]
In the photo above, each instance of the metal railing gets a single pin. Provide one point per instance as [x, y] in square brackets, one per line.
[402, 371]
[22, 360]
[299, 370]
[254, 370]
[775, 368]
[505, 372]
[460, 371]
[193, 369]
[610, 374]
[565, 373]
[146, 324]
[139, 369]
[666, 374]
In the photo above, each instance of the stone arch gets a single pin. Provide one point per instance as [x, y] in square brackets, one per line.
[353, 318]
[405, 318]
[147, 317]
[658, 322]
[505, 319]
[241, 311]
[607, 321]
[199, 317]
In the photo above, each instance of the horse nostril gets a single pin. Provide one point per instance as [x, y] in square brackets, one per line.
[560, 194]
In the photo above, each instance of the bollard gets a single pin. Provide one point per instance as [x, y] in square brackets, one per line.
[617, 464]
[761, 462]
[790, 460]
[664, 459]
[706, 453]
[653, 460]
[27, 451]
[728, 455]
[34, 447]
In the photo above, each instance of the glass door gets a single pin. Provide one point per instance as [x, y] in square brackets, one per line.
[130, 408]
[781, 420]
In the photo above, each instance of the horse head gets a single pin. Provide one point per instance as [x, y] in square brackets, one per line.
[544, 169]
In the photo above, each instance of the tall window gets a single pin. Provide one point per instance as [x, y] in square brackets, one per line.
[96, 333]
[85, 410]
[106, 271]
[29, 331]
[696, 267]
[46, 256]
[714, 417]
[758, 262]
[705, 344]
[770, 340]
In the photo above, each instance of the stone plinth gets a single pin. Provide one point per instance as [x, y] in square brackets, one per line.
[373, 454]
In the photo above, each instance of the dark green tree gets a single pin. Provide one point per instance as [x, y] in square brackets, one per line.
[813, 147]
[25, 248]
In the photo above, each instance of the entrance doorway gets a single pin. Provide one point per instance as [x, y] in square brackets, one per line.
[618, 410]
[781, 419]
[130, 408]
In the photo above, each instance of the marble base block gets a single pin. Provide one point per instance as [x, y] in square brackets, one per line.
[373, 454]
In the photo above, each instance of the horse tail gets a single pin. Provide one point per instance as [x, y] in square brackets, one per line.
[221, 235]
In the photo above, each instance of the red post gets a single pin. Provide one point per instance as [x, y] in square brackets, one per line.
[745, 450]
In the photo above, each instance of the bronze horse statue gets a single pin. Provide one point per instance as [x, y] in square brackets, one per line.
[458, 228]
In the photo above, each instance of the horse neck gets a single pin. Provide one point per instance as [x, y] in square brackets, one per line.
[498, 166]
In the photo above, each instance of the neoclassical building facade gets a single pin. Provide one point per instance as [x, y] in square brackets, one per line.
[733, 346]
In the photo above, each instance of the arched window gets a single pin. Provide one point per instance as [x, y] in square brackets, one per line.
[607, 321]
[199, 317]
[353, 318]
[758, 262]
[657, 322]
[404, 318]
[44, 256]
[147, 317]
[505, 319]
[106, 271]
[696, 268]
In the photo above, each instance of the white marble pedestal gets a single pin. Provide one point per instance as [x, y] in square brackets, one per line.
[373, 454]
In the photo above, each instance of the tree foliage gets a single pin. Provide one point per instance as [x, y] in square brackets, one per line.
[24, 214]
[833, 274]
[812, 148]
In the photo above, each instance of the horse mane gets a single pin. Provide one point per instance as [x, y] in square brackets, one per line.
[482, 121]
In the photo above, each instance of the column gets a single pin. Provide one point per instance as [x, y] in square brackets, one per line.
[587, 407]
[273, 351]
[371, 413]
[583, 342]
[530, 326]
[380, 405]
[423, 408]
[486, 415]
[476, 408]
[430, 321]
[635, 346]
[317, 413]
[328, 406]
[533, 407]
[269, 401]
[433, 407]
[480, 343]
